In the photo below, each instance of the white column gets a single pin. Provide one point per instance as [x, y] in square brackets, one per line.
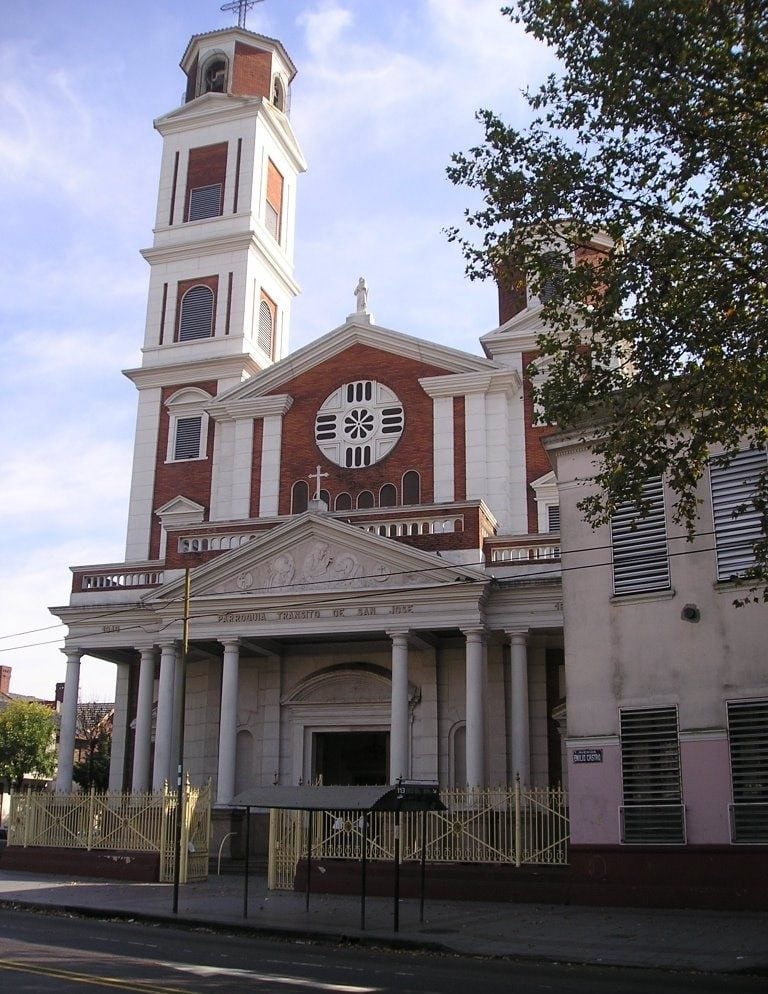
[521, 741]
[398, 730]
[269, 488]
[164, 723]
[225, 789]
[120, 728]
[142, 743]
[445, 489]
[475, 707]
[68, 721]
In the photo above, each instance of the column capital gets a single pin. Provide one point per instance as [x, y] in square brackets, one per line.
[230, 642]
[399, 634]
[518, 636]
[73, 653]
[474, 634]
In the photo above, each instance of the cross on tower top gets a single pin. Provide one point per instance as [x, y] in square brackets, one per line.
[242, 7]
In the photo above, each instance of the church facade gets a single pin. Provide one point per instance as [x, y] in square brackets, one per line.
[343, 563]
[359, 538]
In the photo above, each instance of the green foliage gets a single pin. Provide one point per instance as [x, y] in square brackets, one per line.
[93, 740]
[27, 741]
[656, 135]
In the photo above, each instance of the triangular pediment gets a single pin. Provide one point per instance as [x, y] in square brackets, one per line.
[336, 342]
[313, 554]
[180, 505]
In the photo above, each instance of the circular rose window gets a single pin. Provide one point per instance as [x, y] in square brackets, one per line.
[359, 424]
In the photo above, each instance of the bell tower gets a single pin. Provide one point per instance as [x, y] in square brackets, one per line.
[221, 264]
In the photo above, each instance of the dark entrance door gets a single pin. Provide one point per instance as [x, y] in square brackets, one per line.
[357, 759]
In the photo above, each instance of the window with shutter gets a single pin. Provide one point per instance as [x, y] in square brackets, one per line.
[553, 517]
[196, 319]
[639, 543]
[738, 523]
[266, 328]
[650, 773]
[187, 438]
[748, 746]
[205, 201]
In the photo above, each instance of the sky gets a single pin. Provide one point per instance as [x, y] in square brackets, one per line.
[386, 91]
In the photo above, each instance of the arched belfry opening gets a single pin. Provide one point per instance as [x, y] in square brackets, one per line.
[213, 78]
[278, 93]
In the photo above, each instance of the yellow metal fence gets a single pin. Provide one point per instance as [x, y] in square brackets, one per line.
[503, 825]
[114, 821]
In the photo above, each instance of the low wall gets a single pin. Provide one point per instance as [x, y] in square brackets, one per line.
[142, 867]
[714, 877]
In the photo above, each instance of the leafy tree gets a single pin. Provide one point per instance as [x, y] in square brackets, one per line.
[655, 134]
[27, 741]
[93, 738]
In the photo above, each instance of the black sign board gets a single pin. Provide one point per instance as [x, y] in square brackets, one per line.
[587, 755]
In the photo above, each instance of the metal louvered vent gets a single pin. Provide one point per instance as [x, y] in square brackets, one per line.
[748, 743]
[733, 487]
[187, 438]
[196, 314]
[650, 773]
[640, 557]
[553, 518]
[264, 339]
[204, 201]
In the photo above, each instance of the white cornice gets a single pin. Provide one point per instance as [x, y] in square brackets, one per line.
[352, 333]
[222, 108]
[461, 384]
[176, 374]
[250, 407]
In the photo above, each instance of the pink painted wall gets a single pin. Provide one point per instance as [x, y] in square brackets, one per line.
[706, 791]
[594, 792]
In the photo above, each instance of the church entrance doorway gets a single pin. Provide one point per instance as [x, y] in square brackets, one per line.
[357, 759]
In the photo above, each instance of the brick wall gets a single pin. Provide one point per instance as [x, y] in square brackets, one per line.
[251, 72]
[207, 165]
[300, 454]
[189, 477]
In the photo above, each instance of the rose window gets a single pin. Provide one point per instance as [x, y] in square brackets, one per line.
[359, 424]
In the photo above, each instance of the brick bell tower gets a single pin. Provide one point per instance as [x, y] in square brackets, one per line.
[221, 265]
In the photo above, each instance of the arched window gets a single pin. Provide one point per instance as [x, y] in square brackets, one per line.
[214, 75]
[387, 496]
[365, 499]
[411, 487]
[343, 502]
[325, 497]
[188, 425]
[278, 93]
[299, 497]
[196, 317]
[266, 327]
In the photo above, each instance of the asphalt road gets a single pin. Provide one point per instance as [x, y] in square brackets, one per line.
[42, 953]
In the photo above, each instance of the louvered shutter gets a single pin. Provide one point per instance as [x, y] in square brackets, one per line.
[553, 517]
[748, 743]
[205, 201]
[196, 314]
[733, 486]
[187, 438]
[265, 328]
[640, 556]
[650, 773]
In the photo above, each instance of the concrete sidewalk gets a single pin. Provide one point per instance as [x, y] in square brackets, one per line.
[709, 941]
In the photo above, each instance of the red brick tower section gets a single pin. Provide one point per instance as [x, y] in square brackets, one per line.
[513, 300]
[243, 66]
